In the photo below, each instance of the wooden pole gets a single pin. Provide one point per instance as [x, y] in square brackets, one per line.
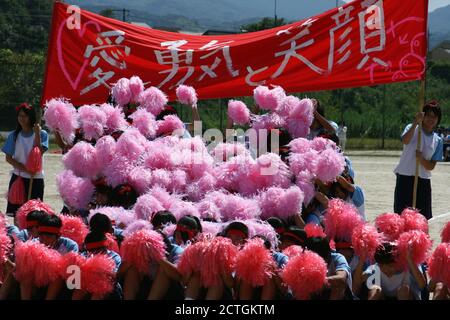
[419, 140]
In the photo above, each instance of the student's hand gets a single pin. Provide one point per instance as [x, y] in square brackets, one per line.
[419, 117]
[37, 128]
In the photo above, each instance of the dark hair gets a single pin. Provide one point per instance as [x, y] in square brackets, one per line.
[50, 220]
[168, 110]
[276, 223]
[36, 215]
[320, 109]
[295, 235]
[100, 223]
[236, 225]
[385, 253]
[163, 217]
[94, 237]
[433, 106]
[124, 195]
[321, 246]
[29, 111]
[191, 222]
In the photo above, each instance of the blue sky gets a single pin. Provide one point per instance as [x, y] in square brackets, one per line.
[434, 4]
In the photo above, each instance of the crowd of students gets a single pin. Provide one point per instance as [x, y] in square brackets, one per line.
[326, 250]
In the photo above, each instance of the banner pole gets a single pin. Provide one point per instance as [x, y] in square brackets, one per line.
[419, 140]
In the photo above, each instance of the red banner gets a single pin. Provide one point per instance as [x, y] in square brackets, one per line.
[363, 43]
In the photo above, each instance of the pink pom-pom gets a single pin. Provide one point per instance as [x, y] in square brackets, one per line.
[415, 241]
[439, 264]
[258, 227]
[187, 95]
[391, 225]
[171, 124]
[304, 182]
[74, 228]
[146, 206]
[37, 264]
[209, 210]
[267, 121]
[445, 233]
[29, 206]
[341, 219]
[314, 231]
[161, 178]
[365, 241]
[192, 257]
[140, 179]
[121, 92]
[145, 122]
[117, 170]
[198, 189]
[131, 144]
[225, 151]
[330, 164]
[183, 208]
[137, 225]
[5, 245]
[179, 181]
[76, 192]
[300, 118]
[115, 118]
[321, 144]
[281, 203]
[136, 88]
[269, 99]
[98, 275]
[238, 112]
[61, 116]
[212, 228]
[254, 263]
[82, 160]
[93, 121]
[106, 148]
[293, 251]
[169, 230]
[305, 274]
[218, 259]
[414, 220]
[287, 105]
[154, 100]
[235, 207]
[141, 248]
[165, 198]
[300, 145]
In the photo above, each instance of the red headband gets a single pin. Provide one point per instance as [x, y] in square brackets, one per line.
[23, 106]
[280, 230]
[31, 224]
[291, 235]
[96, 245]
[190, 232]
[124, 189]
[343, 245]
[45, 229]
[238, 233]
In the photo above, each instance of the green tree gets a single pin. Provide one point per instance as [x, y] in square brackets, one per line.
[265, 23]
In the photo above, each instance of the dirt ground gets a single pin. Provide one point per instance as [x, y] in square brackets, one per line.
[374, 174]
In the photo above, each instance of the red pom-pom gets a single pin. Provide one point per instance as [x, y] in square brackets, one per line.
[98, 275]
[439, 264]
[34, 161]
[38, 264]
[5, 245]
[445, 234]
[31, 205]
[192, 258]
[112, 243]
[313, 230]
[254, 263]
[74, 228]
[293, 251]
[391, 225]
[141, 248]
[16, 194]
[305, 274]
[218, 258]
[340, 220]
[365, 241]
[414, 220]
[415, 241]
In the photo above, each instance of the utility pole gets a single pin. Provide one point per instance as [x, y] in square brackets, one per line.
[124, 12]
[275, 11]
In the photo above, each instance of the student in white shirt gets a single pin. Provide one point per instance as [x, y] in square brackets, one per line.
[430, 152]
[17, 148]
